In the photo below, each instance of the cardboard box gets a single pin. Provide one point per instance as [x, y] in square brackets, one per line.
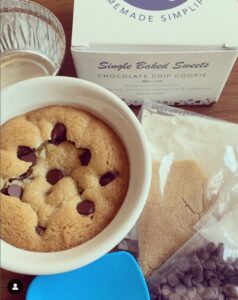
[166, 51]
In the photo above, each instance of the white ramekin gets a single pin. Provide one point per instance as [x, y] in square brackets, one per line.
[38, 92]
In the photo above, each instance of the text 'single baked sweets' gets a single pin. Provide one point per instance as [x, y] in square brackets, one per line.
[64, 176]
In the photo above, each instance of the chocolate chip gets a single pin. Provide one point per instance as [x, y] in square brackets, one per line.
[183, 265]
[229, 271]
[187, 280]
[58, 134]
[11, 180]
[200, 288]
[23, 176]
[154, 297]
[214, 256]
[234, 280]
[202, 254]
[80, 190]
[220, 266]
[86, 207]
[24, 150]
[222, 277]
[31, 157]
[220, 250]
[13, 190]
[210, 293]
[215, 282]
[166, 290]
[235, 265]
[54, 175]
[230, 291]
[179, 274]
[40, 229]
[197, 279]
[196, 269]
[209, 265]
[162, 280]
[85, 157]
[26, 175]
[26, 154]
[108, 177]
[211, 247]
[191, 292]
[173, 280]
[180, 289]
[4, 191]
[194, 258]
[209, 274]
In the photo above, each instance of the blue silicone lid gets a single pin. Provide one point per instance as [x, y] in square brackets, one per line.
[115, 276]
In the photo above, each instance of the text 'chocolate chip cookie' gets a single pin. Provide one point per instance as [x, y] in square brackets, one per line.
[64, 178]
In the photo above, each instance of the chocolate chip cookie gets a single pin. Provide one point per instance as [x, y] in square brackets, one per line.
[64, 176]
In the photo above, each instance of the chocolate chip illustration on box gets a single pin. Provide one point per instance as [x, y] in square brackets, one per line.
[64, 176]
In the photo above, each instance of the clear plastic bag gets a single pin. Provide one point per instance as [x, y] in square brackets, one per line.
[195, 164]
[206, 266]
[175, 134]
[220, 224]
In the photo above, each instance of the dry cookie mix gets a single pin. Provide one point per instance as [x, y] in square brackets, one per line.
[168, 218]
[64, 176]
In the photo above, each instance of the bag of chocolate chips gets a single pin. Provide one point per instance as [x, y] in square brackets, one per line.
[206, 267]
[199, 272]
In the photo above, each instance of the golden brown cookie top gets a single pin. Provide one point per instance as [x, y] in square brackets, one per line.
[63, 170]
